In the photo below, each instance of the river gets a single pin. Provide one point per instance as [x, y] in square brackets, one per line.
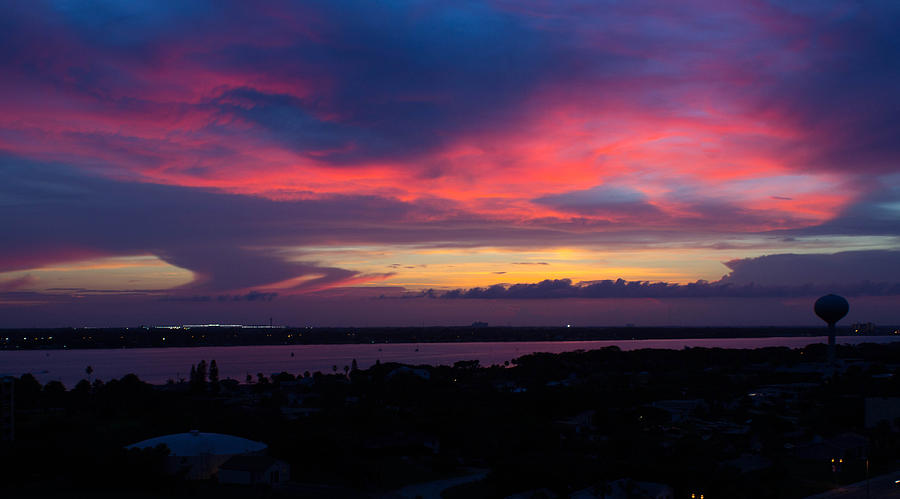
[157, 365]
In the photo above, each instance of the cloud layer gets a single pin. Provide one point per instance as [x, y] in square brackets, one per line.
[242, 142]
[852, 273]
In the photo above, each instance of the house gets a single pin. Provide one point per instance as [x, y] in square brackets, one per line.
[414, 371]
[199, 454]
[253, 470]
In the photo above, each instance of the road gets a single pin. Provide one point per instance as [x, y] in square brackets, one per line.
[881, 487]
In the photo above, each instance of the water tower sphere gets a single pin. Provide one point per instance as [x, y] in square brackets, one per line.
[831, 308]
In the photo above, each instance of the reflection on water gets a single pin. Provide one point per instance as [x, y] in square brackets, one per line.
[156, 365]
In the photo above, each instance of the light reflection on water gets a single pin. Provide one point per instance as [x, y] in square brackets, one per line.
[157, 365]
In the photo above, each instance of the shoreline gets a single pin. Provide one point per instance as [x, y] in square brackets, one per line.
[221, 336]
[158, 365]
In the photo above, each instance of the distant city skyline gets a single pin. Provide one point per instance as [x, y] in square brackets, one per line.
[524, 163]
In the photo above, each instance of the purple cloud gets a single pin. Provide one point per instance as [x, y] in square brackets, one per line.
[844, 269]
[603, 200]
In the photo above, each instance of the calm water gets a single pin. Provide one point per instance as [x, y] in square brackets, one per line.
[156, 365]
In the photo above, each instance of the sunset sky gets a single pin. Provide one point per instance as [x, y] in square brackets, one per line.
[407, 163]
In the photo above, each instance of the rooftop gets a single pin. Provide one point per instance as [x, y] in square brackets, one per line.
[195, 443]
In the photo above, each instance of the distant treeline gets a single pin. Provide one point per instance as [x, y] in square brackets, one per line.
[14, 339]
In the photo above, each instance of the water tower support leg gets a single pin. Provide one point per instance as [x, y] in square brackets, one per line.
[831, 347]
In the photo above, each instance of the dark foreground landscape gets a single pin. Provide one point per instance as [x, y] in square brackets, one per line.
[771, 422]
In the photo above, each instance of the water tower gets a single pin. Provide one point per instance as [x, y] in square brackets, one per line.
[831, 308]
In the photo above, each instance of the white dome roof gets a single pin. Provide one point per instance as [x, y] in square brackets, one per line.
[195, 443]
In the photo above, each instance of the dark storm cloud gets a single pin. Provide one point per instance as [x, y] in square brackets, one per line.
[9, 285]
[392, 93]
[841, 92]
[51, 214]
[288, 121]
[620, 288]
[853, 273]
[839, 269]
[603, 200]
[437, 72]
[357, 81]
[877, 213]
[626, 205]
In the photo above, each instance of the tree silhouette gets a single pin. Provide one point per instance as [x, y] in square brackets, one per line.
[27, 390]
[198, 376]
[213, 376]
[83, 388]
[201, 372]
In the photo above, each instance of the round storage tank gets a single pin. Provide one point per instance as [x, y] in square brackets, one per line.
[200, 454]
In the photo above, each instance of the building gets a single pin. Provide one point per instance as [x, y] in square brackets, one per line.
[410, 371]
[253, 470]
[199, 455]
